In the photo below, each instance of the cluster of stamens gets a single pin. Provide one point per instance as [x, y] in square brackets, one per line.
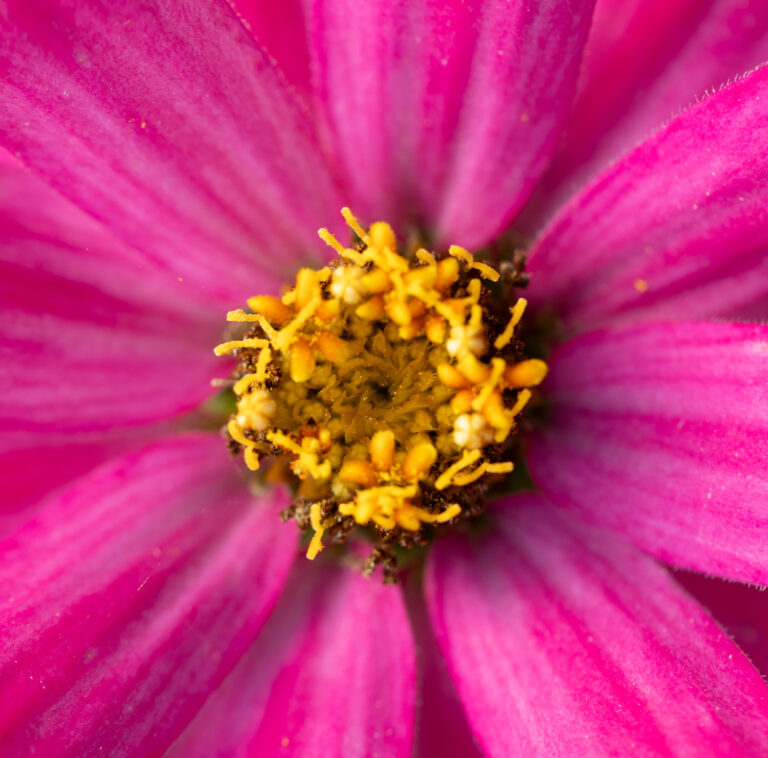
[386, 387]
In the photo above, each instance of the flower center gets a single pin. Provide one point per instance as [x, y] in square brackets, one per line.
[385, 386]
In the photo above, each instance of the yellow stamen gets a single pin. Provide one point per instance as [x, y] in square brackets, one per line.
[526, 373]
[354, 224]
[467, 459]
[382, 450]
[369, 376]
[228, 347]
[516, 314]
[270, 307]
[330, 240]
[302, 360]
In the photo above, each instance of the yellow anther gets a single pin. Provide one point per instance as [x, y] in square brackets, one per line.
[377, 281]
[476, 371]
[241, 315]
[251, 458]
[382, 237]
[500, 468]
[371, 310]
[399, 312]
[307, 287]
[328, 310]
[237, 433]
[241, 385]
[526, 373]
[498, 416]
[228, 347]
[270, 307]
[382, 450]
[302, 360]
[447, 274]
[461, 402]
[486, 271]
[435, 328]
[516, 312]
[462, 480]
[306, 453]
[369, 375]
[522, 400]
[319, 526]
[282, 340]
[262, 364]
[354, 224]
[418, 461]
[468, 457]
[412, 330]
[459, 252]
[330, 240]
[497, 370]
[452, 377]
[332, 348]
[358, 472]
[424, 256]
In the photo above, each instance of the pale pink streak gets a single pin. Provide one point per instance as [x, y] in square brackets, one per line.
[676, 229]
[331, 675]
[435, 111]
[565, 641]
[658, 432]
[130, 597]
[174, 130]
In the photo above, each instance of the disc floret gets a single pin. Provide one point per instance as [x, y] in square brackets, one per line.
[390, 385]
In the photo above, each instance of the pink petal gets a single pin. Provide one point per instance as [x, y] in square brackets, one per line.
[660, 433]
[676, 229]
[445, 113]
[644, 61]
[564, 641]
[130, 598]
[741, 609]
[280, 29]
[168, 123]
[97, 344]
[332, 674]
[441, 723]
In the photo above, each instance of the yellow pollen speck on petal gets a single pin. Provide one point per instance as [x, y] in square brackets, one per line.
[382, 387]
[641, 285]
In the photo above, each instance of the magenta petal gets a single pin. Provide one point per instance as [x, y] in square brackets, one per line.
[279, 27]
[741, 609]
[332, 675]
[660, 433]
[565, 641]
[96, 344]
[445, 110]
[676, 229]
[644, 61]
[130, 597]
[168, 123]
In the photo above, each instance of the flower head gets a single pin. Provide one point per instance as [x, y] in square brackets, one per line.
[168, 160]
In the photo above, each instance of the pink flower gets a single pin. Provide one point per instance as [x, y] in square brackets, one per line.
[163, 167]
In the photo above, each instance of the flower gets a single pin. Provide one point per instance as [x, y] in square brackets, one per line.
[162, 167]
